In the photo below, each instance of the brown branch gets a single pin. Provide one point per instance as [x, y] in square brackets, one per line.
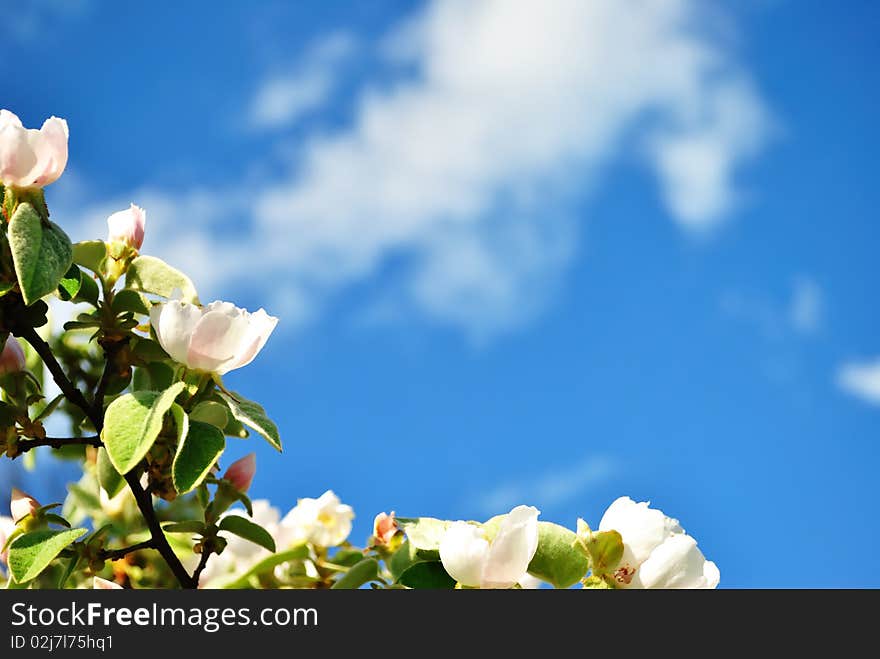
[116, 554]
[143, 499]
[203, 562]
[25, 445]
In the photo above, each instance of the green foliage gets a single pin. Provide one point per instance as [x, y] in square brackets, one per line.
[110, 479]
[151, 275]
[416, 567]
[254, 416]
[70, 284]
[424, 533]
[129, 300]
[90, 254]
[41, 253]
[244, 528]
[300, 552]
[196, 454]
[133, 422]
[362, 573]
[31, 553]
[211, 412]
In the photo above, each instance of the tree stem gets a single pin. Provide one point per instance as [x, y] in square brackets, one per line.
[143, 499]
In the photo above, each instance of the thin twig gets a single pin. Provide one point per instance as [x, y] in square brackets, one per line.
[116, 554]
[203, 562]
[143, 499]
[25, 445]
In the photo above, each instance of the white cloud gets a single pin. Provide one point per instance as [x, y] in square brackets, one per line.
[471, 149]
[778, 320]
[284, 99]
[554, 487]
[805, 310]
[861, 379]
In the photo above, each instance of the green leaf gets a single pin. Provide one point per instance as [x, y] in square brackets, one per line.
[606, 550]
[244, 528]
[5, 287]
[129, 300]
[88, 291]
[90, 254]
[189, 526]
[71, 282]
[41, 253]
[254, 416]
[424, 533]
[133, 422]
[196, 454]
[148, 350]
[210, 412]
[557, 561]
[419, 568]
[428, 575]
[269, 563]
[30, 553]
[110, 479]
[152, 275]
[155, 376]
[364, 572]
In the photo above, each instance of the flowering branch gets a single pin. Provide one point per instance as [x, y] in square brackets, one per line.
[143, 499]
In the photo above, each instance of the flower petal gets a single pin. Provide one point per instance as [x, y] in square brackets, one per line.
[642, 528]
[512, 549]
[677, 563]
[464, 552]
[215, 339]
[174, 323]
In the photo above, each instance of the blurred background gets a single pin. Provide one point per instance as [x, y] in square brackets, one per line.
[547, 253]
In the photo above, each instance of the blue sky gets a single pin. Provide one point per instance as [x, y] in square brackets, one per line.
[550, 255]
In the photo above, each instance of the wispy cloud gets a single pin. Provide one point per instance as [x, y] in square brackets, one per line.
[32, 20]
[548, 489]
[472, 148]
[861, 379]
[799, 314]
[283, 99]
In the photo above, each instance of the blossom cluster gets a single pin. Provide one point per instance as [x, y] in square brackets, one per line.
[153, 422]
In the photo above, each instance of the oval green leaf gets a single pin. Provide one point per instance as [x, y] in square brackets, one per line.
[254, 416]
[133, 422]
[196, 454]
[151, 275]
[41, 253]
[244, 528]
[29, 554]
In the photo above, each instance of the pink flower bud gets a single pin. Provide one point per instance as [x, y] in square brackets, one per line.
[22, 505]
[241, 472]
[12, 358]
[103, 584]
[384, 528]
[128, 226]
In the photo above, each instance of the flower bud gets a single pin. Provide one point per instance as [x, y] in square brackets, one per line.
[30, 157]
[22, 505]
[103, 584]
[241, 472]
[128, 226]
[384, 528]
[12, 358]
